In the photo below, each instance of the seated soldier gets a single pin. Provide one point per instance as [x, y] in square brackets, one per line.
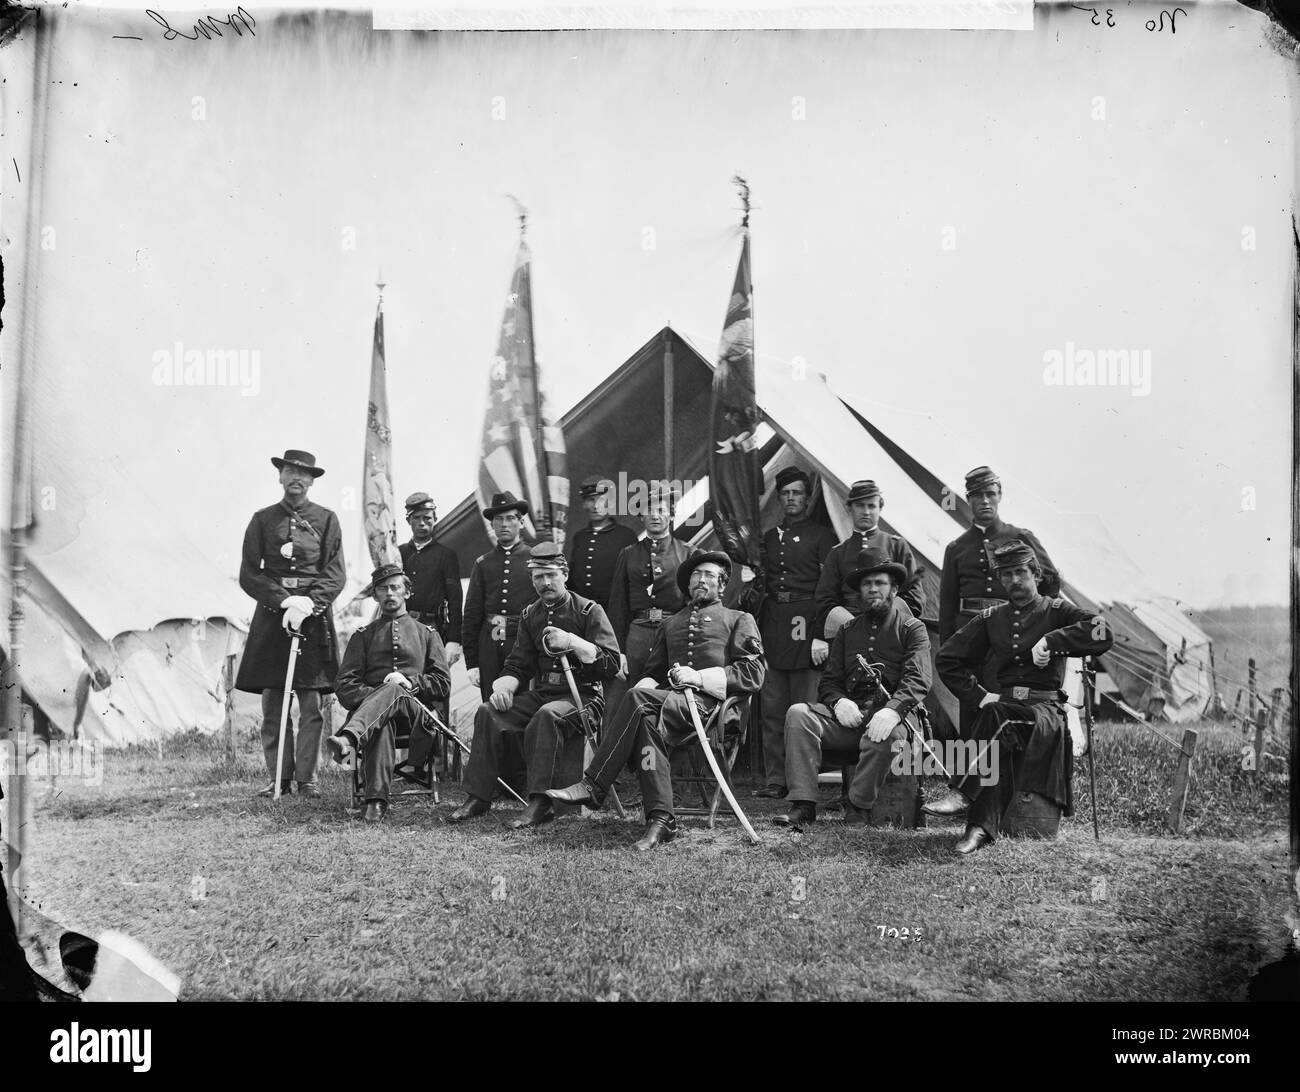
[392, 669]
[557, 628]
[705, 646]
[877, 673]
[1027, 640]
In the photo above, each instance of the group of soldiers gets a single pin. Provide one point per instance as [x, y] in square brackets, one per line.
[625, 647]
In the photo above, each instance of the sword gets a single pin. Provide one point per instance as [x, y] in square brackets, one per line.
[925, 746]
[287, 700]
[437, 723]
[689, 693]
[586, 728]
[1089, 673]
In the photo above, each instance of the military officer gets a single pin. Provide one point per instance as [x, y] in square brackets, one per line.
[1028, 638]
[968, 583]
[852, 711]
[499, 589]
[597, 546]
[292, 564]
[837, 602]
[712, 649]
[436, 598]
[559, 625]
[393, 667]
[793, 554]
[644, 590]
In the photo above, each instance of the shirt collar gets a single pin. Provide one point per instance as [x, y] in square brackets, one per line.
[401, 613]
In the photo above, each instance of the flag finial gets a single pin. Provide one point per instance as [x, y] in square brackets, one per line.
[380, 283]
[743, 187]
[523, 215]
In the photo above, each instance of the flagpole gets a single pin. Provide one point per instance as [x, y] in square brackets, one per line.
[20, 482]
[669, 460]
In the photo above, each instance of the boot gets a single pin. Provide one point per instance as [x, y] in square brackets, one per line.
[952, 803]
[661, 828]
[535, 814]
[375, 811]
[974, 838]
[855, 816]
[471, 809]
[584, 792]
[802, 813]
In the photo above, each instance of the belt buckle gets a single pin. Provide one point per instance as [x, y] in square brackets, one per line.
[783, 597]
[1020, 693]
[289, 581]
[654, 614]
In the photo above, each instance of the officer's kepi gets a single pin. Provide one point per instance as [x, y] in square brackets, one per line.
[1011, 554]
[547, 555]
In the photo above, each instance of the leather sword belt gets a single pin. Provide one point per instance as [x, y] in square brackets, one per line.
[427, 616]
[654, 614]
[1023, 693]
[552, 678]
[292, 582]
[975, 605]
[791, 597]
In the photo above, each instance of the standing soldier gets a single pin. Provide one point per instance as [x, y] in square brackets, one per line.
[434, 572]
[969, 583]
[793, 553]
[292, 564]
[838, 602]
[499, 589]
[597, 546]
[644, 590]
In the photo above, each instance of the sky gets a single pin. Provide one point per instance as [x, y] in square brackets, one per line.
[938, 217]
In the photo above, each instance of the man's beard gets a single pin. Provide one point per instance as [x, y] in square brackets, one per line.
[878, 610]
[704, 596]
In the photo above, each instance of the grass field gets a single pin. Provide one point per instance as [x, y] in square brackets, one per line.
[248, 899]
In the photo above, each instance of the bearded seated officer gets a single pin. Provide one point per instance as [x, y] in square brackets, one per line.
[704, 647]
[559, 633]
[877, 673]
[392, 669]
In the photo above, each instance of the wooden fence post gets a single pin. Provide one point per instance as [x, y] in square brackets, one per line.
[1250, 682]
[1236, 708]
[1261, 734]
[228, 677]
[1182, 779]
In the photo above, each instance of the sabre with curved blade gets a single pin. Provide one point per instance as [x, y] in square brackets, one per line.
[286, 701]
[689, 693]
[563, 657]
[437, 723]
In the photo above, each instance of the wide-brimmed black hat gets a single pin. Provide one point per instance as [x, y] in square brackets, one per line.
[688, 566]
[793, 474]
[505, 502]
[420, 502]
[304, 460]
[1013, 553]
[862, 490]
[981, 478]
[873, 561]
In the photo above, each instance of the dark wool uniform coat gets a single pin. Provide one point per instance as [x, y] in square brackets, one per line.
[592, 559]
[645, 576]
[500, 586]
[436, 598]
[969, 573]
[1006, 635]
[528, 660]
[899, 648]
[793, 555]
[291, 552]
[393, 644]
[833, 589]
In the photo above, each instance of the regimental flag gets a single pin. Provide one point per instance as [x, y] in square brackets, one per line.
[378, 505]
[734, 471]
[523, 449]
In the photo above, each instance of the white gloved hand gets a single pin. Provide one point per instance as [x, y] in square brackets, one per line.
[453, 653]
[556, 640]
[848, 713]
[503, 693]
[820, 649]
[399, 678]
[297, 608]
[988, 699]
[882, 725]
[473, 676]
[684, 676]
[622, 667]
[1041, 653]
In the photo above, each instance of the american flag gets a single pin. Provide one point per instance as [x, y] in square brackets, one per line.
[377, 480]
[734, 472]
[523, 449]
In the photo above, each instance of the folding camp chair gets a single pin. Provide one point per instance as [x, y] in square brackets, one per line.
[726, 728]
[401, 790]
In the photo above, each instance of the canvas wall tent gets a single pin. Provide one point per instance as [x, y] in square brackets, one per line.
[618, 429]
